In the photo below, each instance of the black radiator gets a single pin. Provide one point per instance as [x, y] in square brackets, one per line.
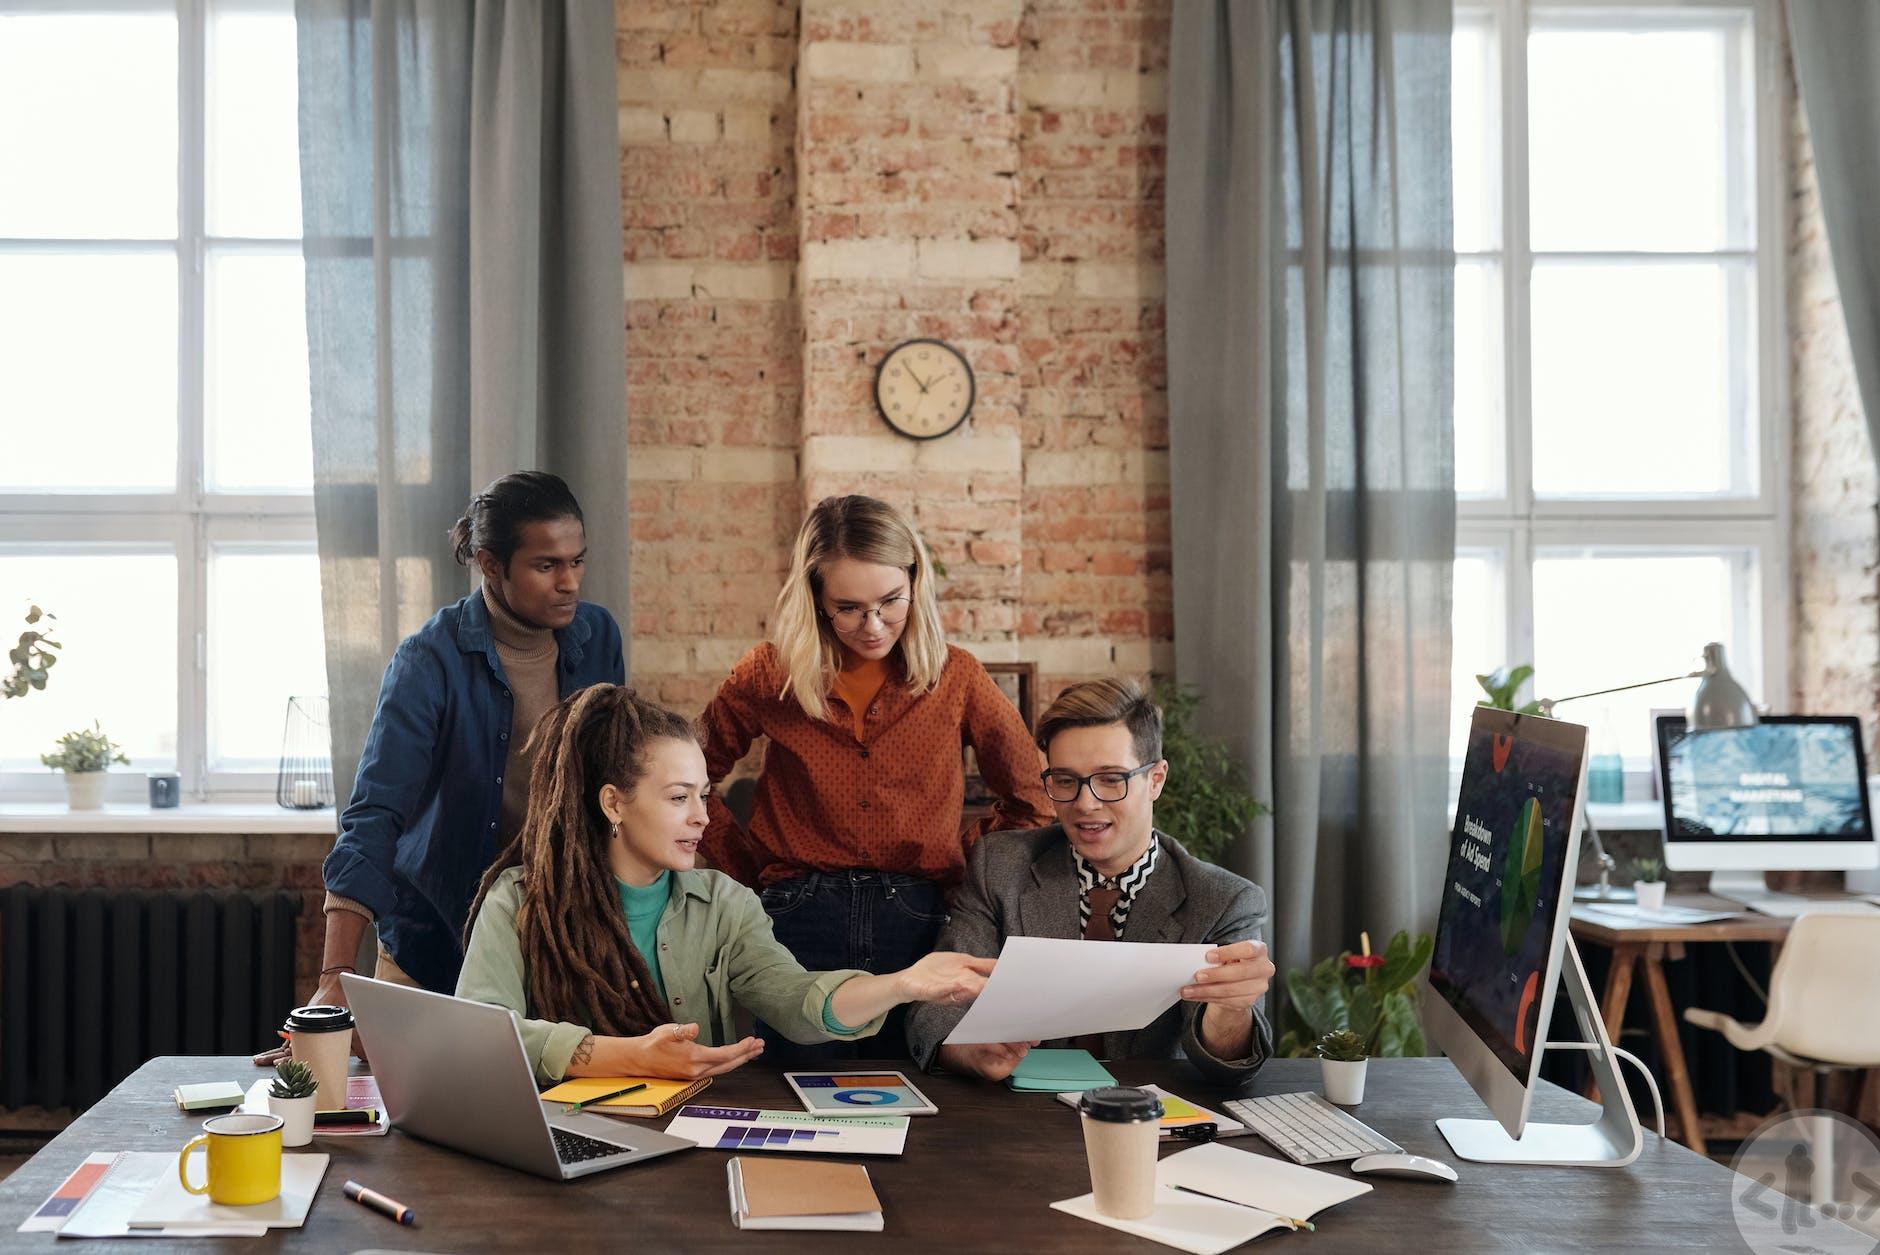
[95, 981]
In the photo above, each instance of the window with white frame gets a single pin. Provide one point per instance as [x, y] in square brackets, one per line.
[156, 484]
[1620, 411]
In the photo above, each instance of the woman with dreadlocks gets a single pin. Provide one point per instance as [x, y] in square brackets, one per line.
[617, 956]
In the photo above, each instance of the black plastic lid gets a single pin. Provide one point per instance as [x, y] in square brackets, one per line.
[319, 1020]
[1118, 1105]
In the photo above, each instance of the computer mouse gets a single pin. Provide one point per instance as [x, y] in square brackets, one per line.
[1415, 1166]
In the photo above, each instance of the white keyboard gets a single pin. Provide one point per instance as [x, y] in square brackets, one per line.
[1308, 1129]
[1792, 905]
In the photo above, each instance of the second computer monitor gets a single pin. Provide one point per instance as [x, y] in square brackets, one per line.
[1786, 793]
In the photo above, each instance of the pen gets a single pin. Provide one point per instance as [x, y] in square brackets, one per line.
[589, 1102]
[355, 1115]
[1288, 1221]
[389, 1208]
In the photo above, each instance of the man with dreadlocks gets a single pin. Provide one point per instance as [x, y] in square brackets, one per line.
[619, 958]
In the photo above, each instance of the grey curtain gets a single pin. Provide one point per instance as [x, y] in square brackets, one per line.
[1836, 46]
[1310, 334]
[465, 316]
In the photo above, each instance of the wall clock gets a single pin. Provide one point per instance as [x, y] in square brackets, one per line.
[924, 388]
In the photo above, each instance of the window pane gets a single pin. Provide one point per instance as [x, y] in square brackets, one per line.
[265, 645]
[88, 345]
[117, 623]
[1479, 626]
[255, 380]
[1643, 379]
[1640, 138]
[1475, 132]
[254, 118]
[88, 108]
[1605, 618]
[1480, 411]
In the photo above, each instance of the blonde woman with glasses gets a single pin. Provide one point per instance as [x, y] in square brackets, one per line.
[855, 838]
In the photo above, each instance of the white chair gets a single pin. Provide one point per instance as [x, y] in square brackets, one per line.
[1823, 1015]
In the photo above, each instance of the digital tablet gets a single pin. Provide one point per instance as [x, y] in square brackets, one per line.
[859, 1094]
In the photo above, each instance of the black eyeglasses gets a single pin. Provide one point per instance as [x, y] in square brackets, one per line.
[890, 612]
[1105, 786]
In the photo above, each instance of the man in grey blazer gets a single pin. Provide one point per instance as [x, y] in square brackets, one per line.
[1103, 872]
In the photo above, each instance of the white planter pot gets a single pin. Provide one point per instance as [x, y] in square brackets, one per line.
[84, 790]
[1651, 894]
[1344, 1082]
[298, 1116]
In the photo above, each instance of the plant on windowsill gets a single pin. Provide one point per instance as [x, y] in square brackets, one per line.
[85, 756]
[291, 1096]
[1342, 1056]
[1206, 804]
[1502, 684]
[32, 658]
[1649, 883]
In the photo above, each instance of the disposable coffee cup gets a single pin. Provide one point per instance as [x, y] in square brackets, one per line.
[1122, 1128]
[321, 1038]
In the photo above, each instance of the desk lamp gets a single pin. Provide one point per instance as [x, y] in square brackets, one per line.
[1719, 702]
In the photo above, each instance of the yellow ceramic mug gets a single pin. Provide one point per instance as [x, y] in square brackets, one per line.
[244, 1159]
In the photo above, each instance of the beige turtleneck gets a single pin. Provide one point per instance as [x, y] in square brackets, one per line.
[528, 656]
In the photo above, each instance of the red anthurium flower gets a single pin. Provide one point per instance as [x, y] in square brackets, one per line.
[1364, 960]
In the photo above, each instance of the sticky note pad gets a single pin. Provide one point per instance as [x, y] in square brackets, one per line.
[1059, 1071]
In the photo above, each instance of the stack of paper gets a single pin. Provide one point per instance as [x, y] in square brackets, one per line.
[209, 1096]
[116, 1194]
[746, 1128]
[789, 1194]
[1177, 1112]
[1213, 1198]
[1059, 1071]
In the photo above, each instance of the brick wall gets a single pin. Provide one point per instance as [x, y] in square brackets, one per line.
[1835, 655]
[808, 184]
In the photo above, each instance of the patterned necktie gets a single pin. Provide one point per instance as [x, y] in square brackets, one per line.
[1098, 929]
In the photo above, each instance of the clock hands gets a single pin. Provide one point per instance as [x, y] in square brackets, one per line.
[917, 379]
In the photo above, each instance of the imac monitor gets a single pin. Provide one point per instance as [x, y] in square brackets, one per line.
[1505, 903]
[1786, 793]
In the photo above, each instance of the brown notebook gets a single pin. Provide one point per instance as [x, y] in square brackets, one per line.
[801, 1194]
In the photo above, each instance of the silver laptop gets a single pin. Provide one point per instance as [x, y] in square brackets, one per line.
[454, 1072]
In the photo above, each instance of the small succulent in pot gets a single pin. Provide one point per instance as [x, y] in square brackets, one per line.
[1342, 1046]
[292, 1079]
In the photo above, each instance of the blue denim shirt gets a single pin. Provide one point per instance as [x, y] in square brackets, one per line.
[422, 824]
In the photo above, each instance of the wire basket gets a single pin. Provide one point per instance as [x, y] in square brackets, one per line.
[305, 782]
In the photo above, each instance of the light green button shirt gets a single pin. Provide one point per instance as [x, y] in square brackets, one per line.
[716, 954]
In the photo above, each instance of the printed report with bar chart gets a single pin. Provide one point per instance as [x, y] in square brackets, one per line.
[795, 1132]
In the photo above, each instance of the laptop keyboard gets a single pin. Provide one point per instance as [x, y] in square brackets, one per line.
[573, 1148]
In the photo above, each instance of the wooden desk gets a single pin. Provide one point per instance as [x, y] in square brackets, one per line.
[979, 1176]
[1644, 946]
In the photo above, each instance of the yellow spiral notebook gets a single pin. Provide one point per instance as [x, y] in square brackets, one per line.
[659, 1096]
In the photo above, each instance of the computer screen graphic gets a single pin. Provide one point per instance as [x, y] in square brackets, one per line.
[1514, 816]
[1779, 778]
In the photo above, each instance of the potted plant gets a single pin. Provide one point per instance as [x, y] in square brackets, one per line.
[1649, 883]
[1342, 1057]
[1373, 995]
[85, 756]
[1206, 804]
[1502, 686]
[291, 1096]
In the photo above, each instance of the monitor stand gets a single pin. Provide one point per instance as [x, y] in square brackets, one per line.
[1611, 1141]
[1745, 887]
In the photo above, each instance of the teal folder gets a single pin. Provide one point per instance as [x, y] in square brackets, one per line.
[1059, 1072]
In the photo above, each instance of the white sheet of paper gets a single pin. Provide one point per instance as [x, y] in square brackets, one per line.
[1252, 1180]
[107, 1210]
[169, 1206]
[1187, 1222]
[1044, 989]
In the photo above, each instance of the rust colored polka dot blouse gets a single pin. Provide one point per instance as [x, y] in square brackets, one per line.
[888, 800]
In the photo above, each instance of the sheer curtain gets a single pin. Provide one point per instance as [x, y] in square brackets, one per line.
[465, 315]
[1310, 385]
[1837, 64]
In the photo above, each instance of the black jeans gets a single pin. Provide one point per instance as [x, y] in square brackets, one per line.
[876, 921]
